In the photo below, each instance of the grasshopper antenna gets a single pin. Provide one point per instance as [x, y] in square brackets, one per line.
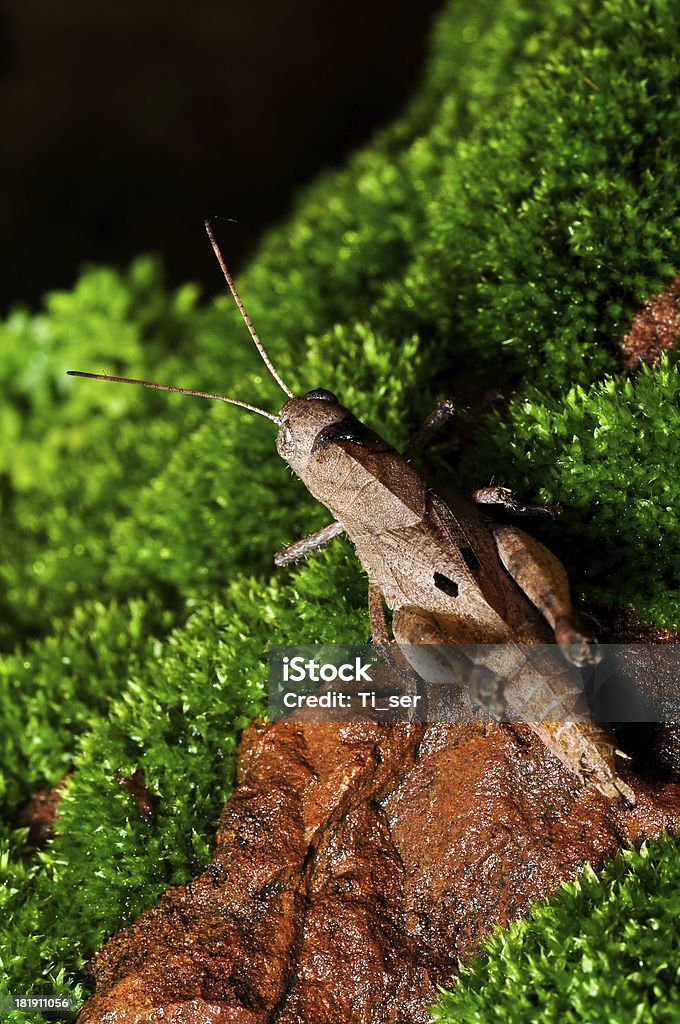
[169, 387]
[237, 299]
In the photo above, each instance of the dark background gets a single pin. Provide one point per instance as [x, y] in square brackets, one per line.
[126, 123]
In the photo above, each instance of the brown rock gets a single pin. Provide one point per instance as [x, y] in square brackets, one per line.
[354, 865]
[623, 625]
[140, 794]
[655, 329]
[39, 813]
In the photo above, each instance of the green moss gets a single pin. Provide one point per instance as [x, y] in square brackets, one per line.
[505, 227]
[603, 452]
[605, 948]
[176, 713]
[50, 693]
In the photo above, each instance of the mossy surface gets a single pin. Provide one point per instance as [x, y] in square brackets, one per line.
[507, 226]
[620, 963]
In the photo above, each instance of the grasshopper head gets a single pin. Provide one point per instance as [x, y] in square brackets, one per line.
[305, 424]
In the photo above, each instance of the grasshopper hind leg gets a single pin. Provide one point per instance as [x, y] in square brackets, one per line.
[439, 660]
[590, 752]
[541, 576]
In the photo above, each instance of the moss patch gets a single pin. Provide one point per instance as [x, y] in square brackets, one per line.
[619, 963]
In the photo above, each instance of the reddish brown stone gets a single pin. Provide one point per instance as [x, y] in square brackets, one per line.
[39, 813]
[623, 625]
[354, 865]
[655, 329]
[135, 786]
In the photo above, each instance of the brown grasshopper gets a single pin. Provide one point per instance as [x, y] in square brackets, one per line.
[448, 573]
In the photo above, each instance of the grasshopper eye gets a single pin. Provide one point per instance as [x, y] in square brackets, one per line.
[322, 395]
[285, 442]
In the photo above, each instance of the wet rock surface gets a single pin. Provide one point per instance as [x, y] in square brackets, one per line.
[355, 863]
[645, 669]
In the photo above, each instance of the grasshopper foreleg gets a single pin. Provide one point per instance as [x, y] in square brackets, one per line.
[305, 546]
[506, 499]
[434, 422]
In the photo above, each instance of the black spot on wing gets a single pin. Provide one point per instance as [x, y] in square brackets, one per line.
[446, 585]
[470, 559]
